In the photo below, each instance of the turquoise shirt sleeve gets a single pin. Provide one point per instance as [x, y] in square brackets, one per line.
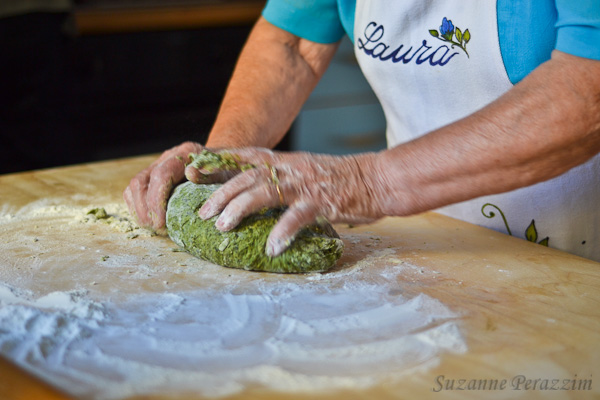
[578, 28]
[526, 35]
[529, 31]
[315, 20]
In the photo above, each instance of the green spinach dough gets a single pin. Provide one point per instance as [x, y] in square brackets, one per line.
[315, 249]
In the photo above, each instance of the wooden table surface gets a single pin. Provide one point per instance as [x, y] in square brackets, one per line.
[524, 309]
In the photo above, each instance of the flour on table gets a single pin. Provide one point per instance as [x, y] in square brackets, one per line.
[210, 330]
[117, 214]
[287, 337]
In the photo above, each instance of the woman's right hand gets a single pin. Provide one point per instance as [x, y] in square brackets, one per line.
[148, 192]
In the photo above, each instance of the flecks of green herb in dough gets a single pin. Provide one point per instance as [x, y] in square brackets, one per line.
[99, 213]
[224, 244]
[316, 248]
[209, 161]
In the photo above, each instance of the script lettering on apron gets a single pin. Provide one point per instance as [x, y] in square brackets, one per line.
[373, 45]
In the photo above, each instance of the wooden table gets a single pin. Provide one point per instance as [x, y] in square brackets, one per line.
[524, 309]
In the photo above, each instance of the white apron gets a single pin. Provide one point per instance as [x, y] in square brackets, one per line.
[433, 62]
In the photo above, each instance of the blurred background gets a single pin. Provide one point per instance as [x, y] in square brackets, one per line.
[91, 80]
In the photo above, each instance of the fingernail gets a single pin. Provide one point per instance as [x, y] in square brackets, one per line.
[275, 247]
[206, 211]
[224, 222]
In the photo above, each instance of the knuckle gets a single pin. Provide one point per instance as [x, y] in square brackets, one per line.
[302, 211]
[189, 147]
[290, 191]
[235, 209]
[244, 179]
[166, 154]
[170, 164]
[254, 173]
[162, 174]
[268, 191]
[219, 196]
[135, 184]
[156, 177]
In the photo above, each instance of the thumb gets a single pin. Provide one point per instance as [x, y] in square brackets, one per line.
[211, 167]
[202, 176]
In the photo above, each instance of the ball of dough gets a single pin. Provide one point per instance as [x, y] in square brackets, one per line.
[315, 248]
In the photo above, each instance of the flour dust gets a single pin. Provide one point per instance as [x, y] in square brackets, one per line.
[211, 331]
[293, 338]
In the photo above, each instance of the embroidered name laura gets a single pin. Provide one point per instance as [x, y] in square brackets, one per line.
[372, 44]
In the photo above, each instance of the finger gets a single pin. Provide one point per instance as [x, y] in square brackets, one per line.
[136, 193]
[295, 218]
[222, 196]
[252, 155]
[135, 197]
[143, 204]
[165, 173]
[161, 182]
[128, 197]
[247, 203]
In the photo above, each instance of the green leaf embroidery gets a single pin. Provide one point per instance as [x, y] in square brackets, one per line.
[467, 36]
[492, 214]
[531, 232]
[434, 33]
[459, 35]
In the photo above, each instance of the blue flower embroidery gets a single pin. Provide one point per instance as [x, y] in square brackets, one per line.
[448, 31]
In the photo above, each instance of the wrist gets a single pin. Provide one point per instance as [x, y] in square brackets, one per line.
[373, 182]
[223, 140]
[392, 186]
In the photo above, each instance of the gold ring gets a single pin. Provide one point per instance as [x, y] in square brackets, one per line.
[275, 180]
[281, 202]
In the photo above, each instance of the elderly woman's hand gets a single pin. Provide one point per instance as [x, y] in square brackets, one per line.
[148, 192]
[340, 189]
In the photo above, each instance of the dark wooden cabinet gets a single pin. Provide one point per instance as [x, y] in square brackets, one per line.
[67, 97]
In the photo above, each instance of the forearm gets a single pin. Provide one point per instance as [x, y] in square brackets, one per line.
[274, 76]
[544, 126]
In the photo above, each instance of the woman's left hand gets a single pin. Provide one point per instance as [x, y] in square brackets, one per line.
[338, 188]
